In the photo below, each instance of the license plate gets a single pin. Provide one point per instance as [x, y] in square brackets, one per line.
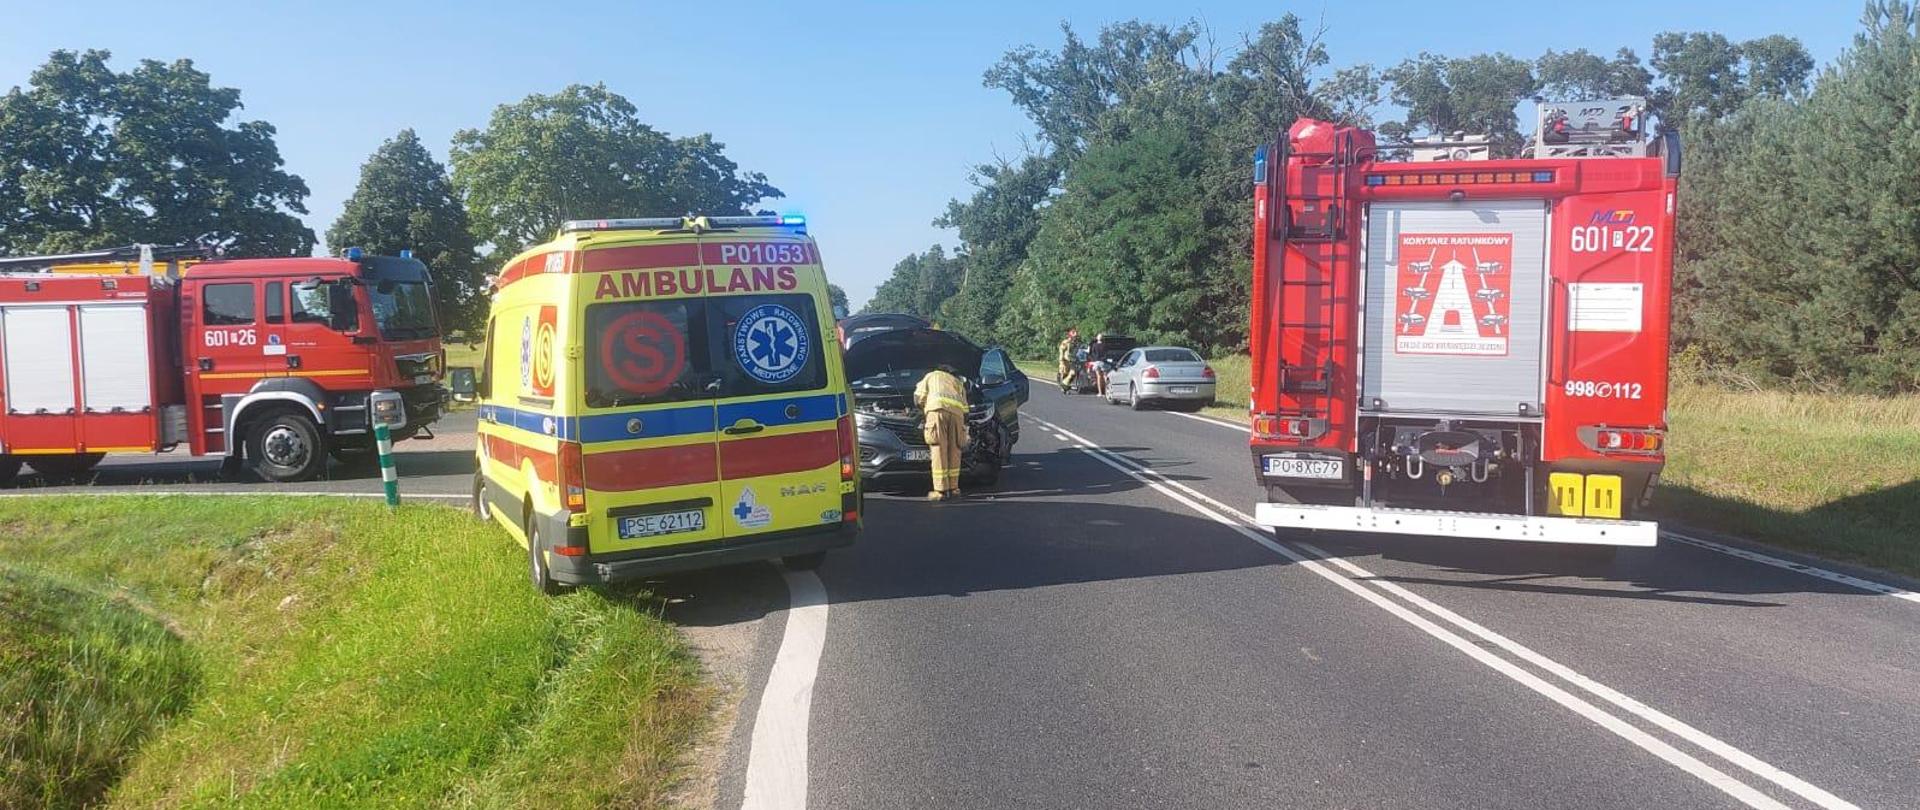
[692, 520]
[422, 379]
[917, 454]
[1183, 389]
[1296, 467]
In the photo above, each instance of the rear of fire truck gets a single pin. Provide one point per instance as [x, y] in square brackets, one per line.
[1447, 344]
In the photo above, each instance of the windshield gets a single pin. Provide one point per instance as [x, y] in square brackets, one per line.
[404, 309]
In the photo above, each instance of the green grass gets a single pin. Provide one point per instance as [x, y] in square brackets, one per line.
[463, 354]
[294, 653]
[1826, 474]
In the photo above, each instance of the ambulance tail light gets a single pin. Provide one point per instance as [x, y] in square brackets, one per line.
[848, 452]
[1623, 441]
[573, 477]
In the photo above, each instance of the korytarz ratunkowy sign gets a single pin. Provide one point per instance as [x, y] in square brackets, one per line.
[1454, 294]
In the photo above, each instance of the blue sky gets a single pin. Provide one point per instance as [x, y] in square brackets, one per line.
[868, 115]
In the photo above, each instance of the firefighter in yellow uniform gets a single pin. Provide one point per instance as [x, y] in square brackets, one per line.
[942, 398]
[1069, 354]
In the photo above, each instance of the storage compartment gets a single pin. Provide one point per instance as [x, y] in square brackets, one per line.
[1455, 308]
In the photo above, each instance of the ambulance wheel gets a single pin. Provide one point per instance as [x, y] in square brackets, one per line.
[286, 447]
[482, 511]
[9, 469]
[537, 561]
[804, 562]
[64, 466]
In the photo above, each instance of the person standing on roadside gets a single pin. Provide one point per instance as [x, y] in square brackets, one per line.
[942, 400]
[1069, 355]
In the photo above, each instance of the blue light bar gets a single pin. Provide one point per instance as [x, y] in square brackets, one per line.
[645, 224]
[406, 253]
[1260, 164]
[792, 219]
[354, 254]
[1543, 177]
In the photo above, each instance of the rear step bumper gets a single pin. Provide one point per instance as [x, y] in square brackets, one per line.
[1459, 524]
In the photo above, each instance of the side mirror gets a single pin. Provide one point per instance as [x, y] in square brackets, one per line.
[839, 312]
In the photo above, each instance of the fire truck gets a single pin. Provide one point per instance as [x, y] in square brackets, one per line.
[281, 362]
[1448, 344]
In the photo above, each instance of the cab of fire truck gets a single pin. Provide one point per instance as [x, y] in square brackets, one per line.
[1449, 344]
[298, 359]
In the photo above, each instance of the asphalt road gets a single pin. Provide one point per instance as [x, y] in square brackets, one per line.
[1102, 630]
[1081, 637]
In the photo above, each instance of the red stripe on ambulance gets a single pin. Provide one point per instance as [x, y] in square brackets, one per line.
[775, 455]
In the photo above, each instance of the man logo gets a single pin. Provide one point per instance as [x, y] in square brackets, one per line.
[1620, 217]
[803, 489]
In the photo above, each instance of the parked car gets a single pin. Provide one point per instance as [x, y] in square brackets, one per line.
[854, 327]
[885, 367]
[1169, 375]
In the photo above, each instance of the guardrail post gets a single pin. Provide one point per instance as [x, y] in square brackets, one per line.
[383, 440]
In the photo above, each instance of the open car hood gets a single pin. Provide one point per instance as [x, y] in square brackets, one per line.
[912, 350]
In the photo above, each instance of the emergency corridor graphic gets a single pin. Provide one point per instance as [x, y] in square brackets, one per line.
[1454, 293]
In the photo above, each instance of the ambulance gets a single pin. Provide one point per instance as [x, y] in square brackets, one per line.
[663, 394]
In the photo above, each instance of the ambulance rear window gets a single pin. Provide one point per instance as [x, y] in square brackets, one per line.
[647, 351]
[644, 352]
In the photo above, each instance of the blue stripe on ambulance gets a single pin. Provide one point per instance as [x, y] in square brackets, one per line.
[563, 427]
[654, 424]
[817, 408]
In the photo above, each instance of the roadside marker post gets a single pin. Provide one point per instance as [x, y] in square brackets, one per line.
[389, 479]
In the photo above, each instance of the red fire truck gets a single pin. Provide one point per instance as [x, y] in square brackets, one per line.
[277, 361]
[1446, 344]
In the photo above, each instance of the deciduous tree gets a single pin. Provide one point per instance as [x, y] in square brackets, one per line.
[405, 201]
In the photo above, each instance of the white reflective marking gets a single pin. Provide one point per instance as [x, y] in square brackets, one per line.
[1810, 570]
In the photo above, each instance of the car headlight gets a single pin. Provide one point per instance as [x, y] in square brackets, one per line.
[865, 420]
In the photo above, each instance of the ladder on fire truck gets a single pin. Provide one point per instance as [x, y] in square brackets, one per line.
[139, 259]
[1306, 345]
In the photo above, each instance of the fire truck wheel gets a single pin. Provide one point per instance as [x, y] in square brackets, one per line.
[9, 469]
[286, 446]
[64, 466]
[537, 561]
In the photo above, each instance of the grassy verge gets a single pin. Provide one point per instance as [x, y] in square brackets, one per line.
[1826, 474]
[267, 652]
[463, 354]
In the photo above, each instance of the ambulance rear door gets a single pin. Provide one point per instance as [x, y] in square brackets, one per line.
[779, 412]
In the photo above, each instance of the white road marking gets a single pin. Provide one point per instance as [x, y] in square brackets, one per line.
[1812, 571]
[777, 758]
[1237, 427]
[90, 493]
[1242, 523]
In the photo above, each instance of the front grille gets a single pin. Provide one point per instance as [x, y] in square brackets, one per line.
[415, 365]
[908, 433]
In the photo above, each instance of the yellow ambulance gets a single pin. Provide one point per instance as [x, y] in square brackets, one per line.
[662, 394]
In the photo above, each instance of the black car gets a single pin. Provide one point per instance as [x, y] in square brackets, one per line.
[884, 368]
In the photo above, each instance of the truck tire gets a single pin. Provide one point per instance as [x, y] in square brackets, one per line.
[286, 446]
[9, 469]
[482, 511]
[67, 466]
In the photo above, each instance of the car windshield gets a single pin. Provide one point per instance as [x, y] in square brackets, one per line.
[403, 309]
[1172, 356]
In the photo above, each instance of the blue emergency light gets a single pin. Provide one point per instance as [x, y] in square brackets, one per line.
[354, 254]
[406, 253]
[792, 219]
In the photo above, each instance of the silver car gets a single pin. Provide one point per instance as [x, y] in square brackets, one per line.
[1161, 374]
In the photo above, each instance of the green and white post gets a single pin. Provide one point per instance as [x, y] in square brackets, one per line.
[383, 440]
